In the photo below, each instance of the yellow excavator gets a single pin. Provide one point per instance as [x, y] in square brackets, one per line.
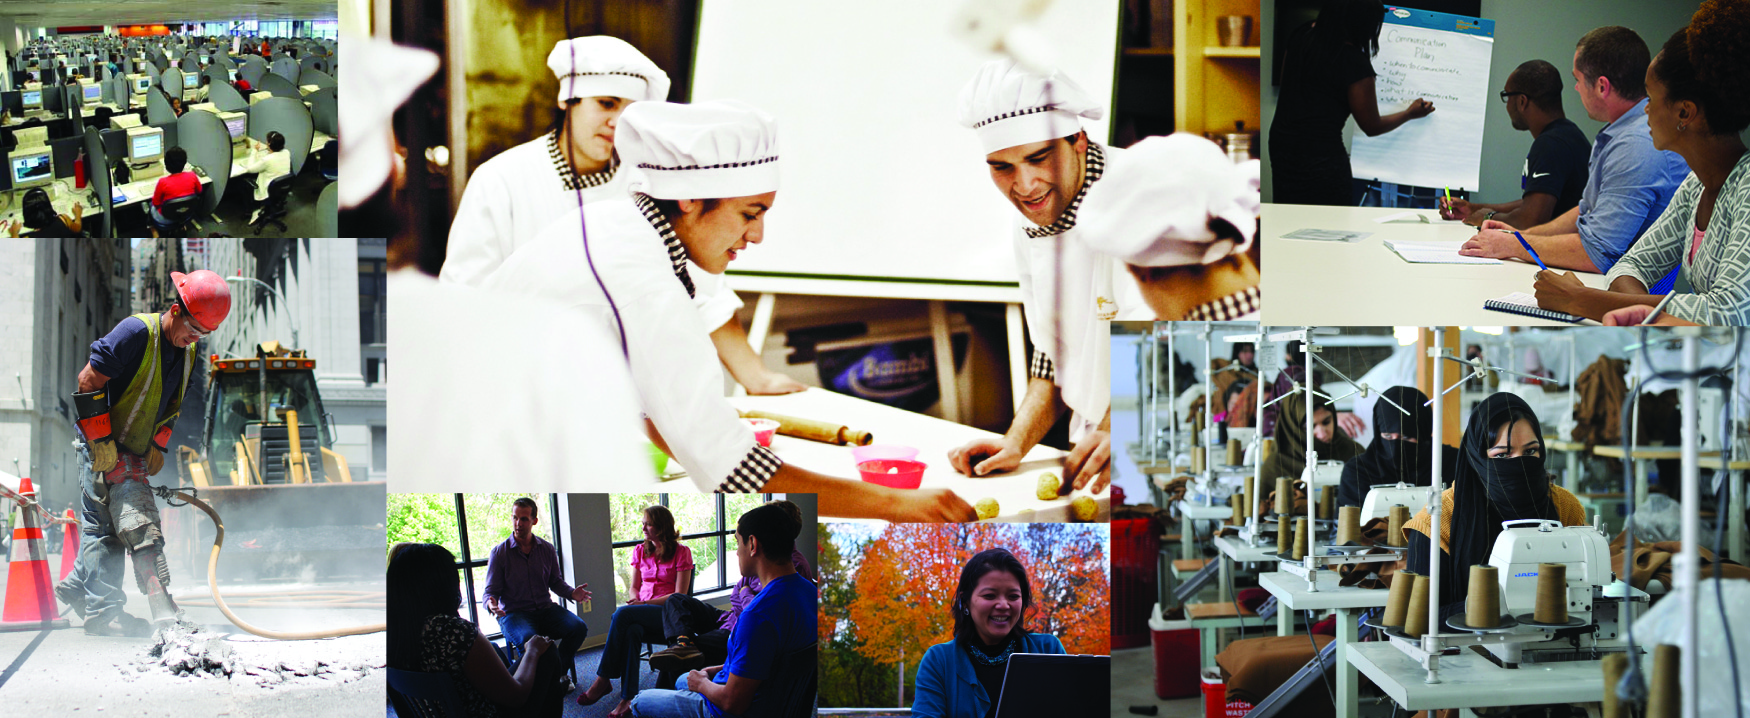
[292, 511]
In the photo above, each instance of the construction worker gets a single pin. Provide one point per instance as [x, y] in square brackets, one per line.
[130, 393]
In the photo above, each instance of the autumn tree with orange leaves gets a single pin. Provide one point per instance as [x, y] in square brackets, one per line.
[903, 587]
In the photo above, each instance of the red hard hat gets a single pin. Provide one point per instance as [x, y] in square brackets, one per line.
[205, 296]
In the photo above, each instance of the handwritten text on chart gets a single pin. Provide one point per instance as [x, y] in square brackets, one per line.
[1446, 68]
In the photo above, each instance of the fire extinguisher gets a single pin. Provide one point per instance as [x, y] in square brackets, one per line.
[79, 171]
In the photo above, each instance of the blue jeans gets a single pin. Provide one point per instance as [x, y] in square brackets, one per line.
[563, 627]
[630, 628]
[678, 703]
[101, 555]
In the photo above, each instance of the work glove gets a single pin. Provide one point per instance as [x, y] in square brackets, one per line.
[154, 462]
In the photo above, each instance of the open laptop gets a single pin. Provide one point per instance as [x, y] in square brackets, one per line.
[1060, 686]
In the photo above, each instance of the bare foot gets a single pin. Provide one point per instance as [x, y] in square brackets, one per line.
[622, 710]
[599, 688]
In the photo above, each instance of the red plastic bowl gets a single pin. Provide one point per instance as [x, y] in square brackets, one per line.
[893, 473]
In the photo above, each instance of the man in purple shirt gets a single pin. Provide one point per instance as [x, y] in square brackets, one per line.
[700, 631]
[519, 573]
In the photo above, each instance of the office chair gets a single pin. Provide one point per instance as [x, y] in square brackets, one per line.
[273, 209]
[178, 216]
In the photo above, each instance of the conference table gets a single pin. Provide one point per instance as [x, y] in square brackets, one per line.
[1365, 283]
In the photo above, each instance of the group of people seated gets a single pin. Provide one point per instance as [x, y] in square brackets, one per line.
[719, 662]
[270, 161]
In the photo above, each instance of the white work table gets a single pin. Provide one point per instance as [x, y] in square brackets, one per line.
[1292, 595]
[1468, 680]
[1366, 283]
[933, 438]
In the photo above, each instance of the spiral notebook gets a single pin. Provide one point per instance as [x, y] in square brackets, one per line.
[1526, 305]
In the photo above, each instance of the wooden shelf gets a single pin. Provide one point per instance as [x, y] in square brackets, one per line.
[1228, 52]
[1148, 52]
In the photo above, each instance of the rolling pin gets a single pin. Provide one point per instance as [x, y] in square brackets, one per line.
[813, 430]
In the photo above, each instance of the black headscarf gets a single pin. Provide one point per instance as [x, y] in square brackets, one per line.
[1388, 461]
[1289, 459]
[1486, 492]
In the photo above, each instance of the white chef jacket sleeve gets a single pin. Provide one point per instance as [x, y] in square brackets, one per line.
[482, 219]
[675, 368]
[1039, 365]
[717, 303]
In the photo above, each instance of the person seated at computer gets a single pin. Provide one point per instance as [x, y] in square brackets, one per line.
[174, 184]
[200, 93]
[176, 106]
[963, 677]
[268, 162]
[42, 220]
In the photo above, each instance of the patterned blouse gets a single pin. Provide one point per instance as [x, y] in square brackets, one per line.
[444, 644]
[1719, 275]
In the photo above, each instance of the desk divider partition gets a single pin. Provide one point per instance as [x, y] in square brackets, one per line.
[202, 135]
[291, 119]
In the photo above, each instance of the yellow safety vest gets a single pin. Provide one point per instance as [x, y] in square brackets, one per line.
[135, 413]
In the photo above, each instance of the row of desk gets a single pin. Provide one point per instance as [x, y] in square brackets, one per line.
[1365, 283]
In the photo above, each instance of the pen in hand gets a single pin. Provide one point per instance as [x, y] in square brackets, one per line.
[1527, 246]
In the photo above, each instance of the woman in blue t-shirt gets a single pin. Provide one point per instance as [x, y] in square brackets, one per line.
[963, 677]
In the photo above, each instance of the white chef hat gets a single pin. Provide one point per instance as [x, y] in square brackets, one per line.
[1009, 106]
[380, 77]
[706, 150]
[603, 66]
[1153, 205]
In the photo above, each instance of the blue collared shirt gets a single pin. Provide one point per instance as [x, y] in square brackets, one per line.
[1627, 188]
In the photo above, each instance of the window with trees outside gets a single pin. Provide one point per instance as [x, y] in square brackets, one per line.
[469, 525]
[704, 522]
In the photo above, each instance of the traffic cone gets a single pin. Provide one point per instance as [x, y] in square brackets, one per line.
[30, 598]
[69, 548]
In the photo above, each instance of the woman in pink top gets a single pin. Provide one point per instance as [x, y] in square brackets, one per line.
[660, 566]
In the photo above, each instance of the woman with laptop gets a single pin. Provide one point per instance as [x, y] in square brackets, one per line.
[963, 677]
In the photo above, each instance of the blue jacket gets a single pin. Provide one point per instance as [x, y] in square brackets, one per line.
[947, 687]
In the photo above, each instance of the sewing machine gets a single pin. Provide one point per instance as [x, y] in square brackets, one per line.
[1382, 497]
[1594, 598]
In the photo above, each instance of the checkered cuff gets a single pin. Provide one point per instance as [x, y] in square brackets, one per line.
[1041, 367]
[1233, 306]
[752, 473]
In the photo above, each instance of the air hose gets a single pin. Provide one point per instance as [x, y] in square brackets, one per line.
[213, 581]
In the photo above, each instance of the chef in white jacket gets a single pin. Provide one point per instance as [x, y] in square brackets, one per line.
[1181, 216]
[512, 196]
[1044, 163]
[463, 415]
[705, 175]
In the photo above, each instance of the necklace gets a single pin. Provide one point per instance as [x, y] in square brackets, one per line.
[980, 656]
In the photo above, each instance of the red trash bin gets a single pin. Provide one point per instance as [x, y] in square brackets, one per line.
[1176, 656]
[1215, 703]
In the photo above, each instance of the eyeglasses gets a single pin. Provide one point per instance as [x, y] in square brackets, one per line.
[1505, 94]
[194, 327]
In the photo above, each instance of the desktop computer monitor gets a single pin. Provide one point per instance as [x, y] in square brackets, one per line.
[140, 85]
[145, 144]
[190, 81]
[32, 168]
[123, 122]
[92, 92]
[29, 137]
[233, 74]
[206, 60]
[32, 99]
[237, 124]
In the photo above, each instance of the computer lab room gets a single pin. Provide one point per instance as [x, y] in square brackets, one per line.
[177, 119]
